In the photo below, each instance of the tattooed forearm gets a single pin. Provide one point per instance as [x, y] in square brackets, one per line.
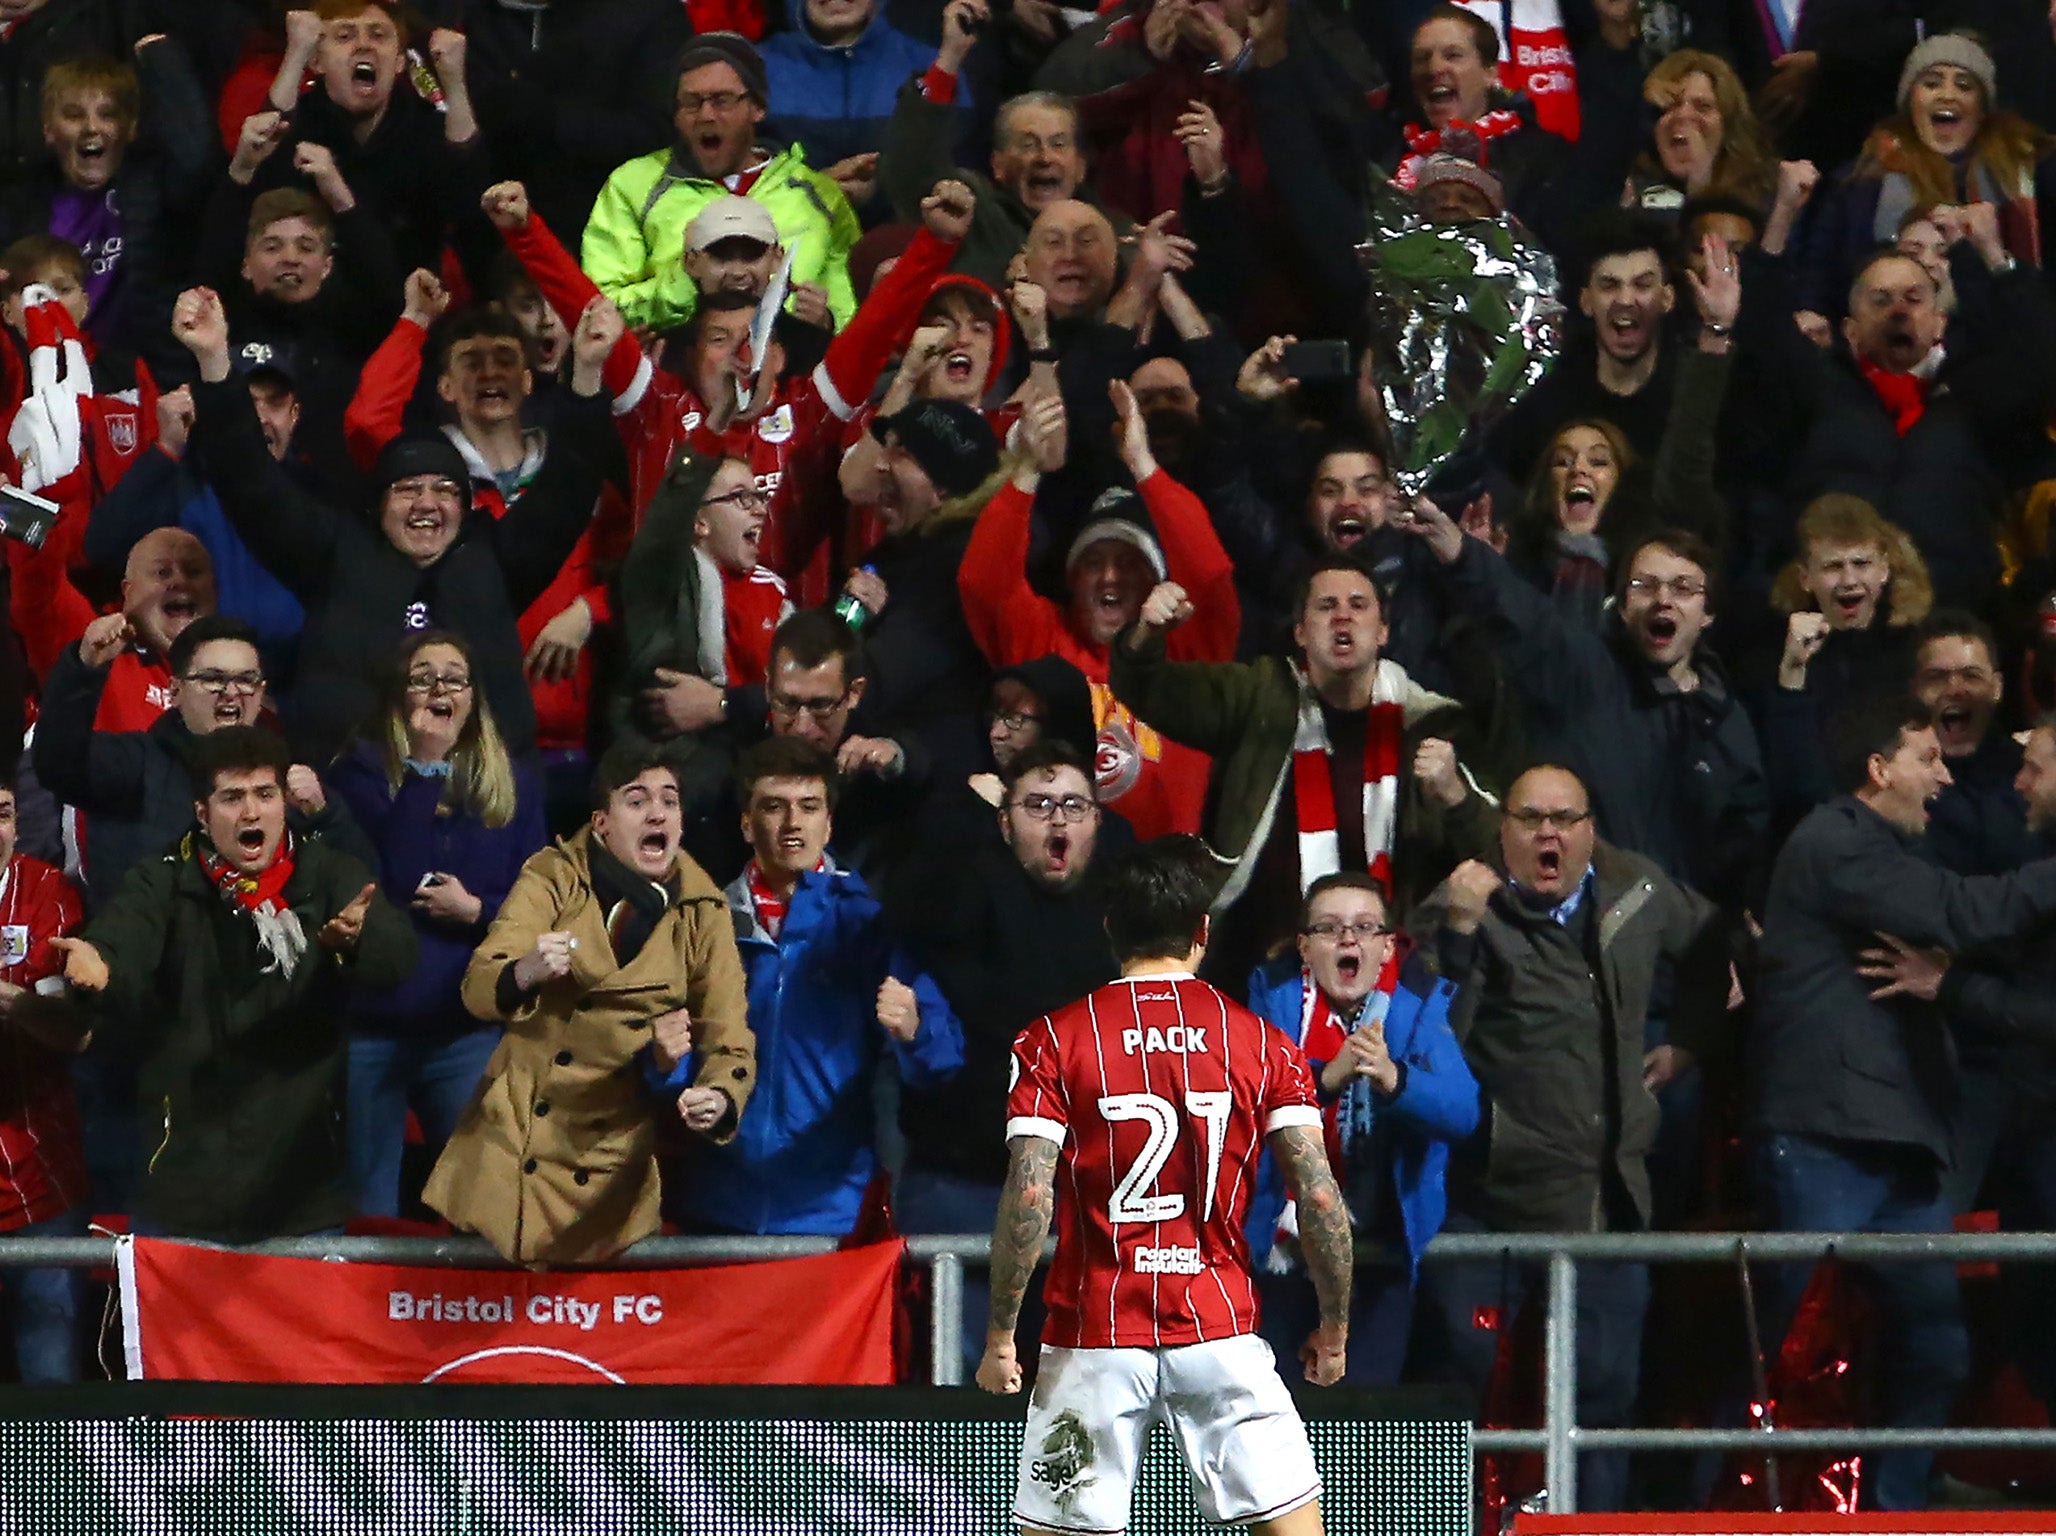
[1324, 1235]
[1024, 1211]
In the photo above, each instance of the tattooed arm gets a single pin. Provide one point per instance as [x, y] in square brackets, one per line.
[1325, 1242]
[1025, 1205]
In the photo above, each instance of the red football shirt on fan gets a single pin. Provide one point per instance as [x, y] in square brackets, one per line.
[1160, 1091]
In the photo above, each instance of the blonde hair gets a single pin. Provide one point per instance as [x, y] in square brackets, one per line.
[1839, 518]
[93, 72]
[1746, 166]
[481, 777]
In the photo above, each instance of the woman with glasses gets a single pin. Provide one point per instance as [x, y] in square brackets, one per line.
[1396, 1094]
[453, 819]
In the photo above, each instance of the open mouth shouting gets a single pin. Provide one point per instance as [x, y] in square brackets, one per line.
[1043, 184]
[233, 709]
[1348, 529]
[1956, 727]
[1549, 865]
[958, 367]
[1626, 331]
[1439, 100]
[1056, 853]
[1848, 604]
[1579, 512]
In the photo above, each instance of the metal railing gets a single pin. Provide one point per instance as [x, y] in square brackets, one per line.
[1560, 1438]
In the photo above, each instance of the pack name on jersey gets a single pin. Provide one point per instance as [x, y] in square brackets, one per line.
[1165, 1261]
[1179, 1037]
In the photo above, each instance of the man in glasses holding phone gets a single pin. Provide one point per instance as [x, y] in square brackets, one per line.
[1554, 962]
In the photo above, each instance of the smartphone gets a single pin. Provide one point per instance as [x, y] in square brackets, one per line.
[431, 878]
[25, 516]
[1318, 362]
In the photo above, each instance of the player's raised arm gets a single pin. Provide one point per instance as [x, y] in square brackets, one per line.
[1025, 1205]
[1324, 1239]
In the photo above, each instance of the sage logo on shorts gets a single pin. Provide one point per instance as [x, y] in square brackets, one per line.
[1067, 1453]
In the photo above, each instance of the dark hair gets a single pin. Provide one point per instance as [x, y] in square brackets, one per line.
[1683, 543]
[1158, 896]
[1957, 624]
[480, 321]
[721, 301]
[1873, 725]
[1343, 880]
[235, 749]
[215, 626]
[1483, 34]
[625, 762]
[1362, 441]
[25, 258]
[785, 757]
[1616, 232]
[1701, 204]
[812, 638]
[1321, 567]
[1047, 756]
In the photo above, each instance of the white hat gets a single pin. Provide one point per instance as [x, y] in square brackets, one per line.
[729, 217]
[1122, 531]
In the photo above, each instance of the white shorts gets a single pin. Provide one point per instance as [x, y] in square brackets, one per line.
[1235, 1424]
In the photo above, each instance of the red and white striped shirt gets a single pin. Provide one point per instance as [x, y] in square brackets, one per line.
[42, 1156]
[1160, 1091]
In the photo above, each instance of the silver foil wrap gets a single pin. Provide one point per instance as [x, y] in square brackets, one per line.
[1464, 320]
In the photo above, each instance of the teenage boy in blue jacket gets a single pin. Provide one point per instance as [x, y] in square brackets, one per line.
[1397, 1093]
[832, 1002]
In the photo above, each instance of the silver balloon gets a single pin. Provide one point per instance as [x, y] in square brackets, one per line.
[1464, 320]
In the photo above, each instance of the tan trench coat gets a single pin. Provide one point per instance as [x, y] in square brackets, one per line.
[554, 1160]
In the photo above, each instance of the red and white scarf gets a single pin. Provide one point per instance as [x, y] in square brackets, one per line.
[1313, 785]
[1348, 1121]
[1471, 140]
[262, 897]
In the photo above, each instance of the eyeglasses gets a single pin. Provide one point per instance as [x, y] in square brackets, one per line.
[1012, 719]
[690, 102]
[1656, 586]
[786, 707]
[219, 683]
[431, 682]
[749, 498]
[426, 485]
[1528, 819]
[1048, 807]
[1335, 932]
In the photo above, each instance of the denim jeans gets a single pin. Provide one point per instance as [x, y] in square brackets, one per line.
[46, 1307]
[1380, 1320]
[1824, 1186]
[1612, 1302]
[433, 1076]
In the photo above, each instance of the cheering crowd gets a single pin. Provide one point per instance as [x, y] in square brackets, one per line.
[594, 584]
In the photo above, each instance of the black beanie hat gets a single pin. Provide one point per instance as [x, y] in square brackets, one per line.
[418, 453]
[948, 439]
[734, 50]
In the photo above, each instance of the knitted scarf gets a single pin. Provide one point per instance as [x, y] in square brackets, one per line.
[1471, 141]
[771, 907]
[1313, 787]
[1350, 1120]
[262, 897]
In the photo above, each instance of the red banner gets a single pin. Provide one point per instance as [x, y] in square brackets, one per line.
[203, 1314]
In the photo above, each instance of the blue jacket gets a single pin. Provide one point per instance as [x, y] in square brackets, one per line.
[802, 1156]
[837, 101]
[412, 841]
[1437, 1103]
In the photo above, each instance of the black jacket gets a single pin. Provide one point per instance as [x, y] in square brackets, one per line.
[1944, 479]
[567, 92]
[1826, 1060]
[358, 589]
[240, 1070]
[1674, 776]
[133, 785]
[1005, 951]
[1551, 1020]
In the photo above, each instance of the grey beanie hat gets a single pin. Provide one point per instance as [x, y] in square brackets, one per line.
[1966, 53]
